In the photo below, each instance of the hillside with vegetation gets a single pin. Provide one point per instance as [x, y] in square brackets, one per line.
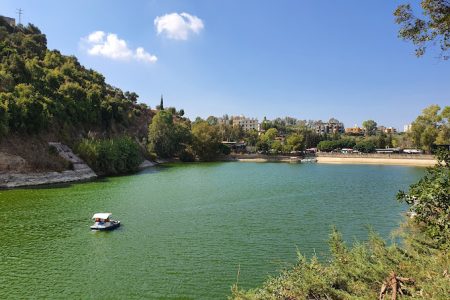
[46, 96]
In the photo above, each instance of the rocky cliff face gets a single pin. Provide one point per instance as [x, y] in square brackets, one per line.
[10, 179]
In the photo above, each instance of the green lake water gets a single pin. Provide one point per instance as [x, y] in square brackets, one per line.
[188, 227]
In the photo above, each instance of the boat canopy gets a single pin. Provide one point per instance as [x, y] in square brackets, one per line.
[103, 216]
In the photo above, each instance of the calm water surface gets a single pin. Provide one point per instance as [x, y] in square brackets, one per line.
[187, 228]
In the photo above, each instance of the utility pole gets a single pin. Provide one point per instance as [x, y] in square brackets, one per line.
[19, 11]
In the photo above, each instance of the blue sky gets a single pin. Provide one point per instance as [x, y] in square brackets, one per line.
[305, 59]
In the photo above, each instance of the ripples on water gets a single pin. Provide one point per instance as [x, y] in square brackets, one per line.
[187, 228]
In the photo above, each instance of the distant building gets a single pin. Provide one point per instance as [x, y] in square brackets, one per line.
[224, 120]
[356, 130]
[10, 21]
[390, 130]
[386, 130]
[260, 129]
[407, 128]
[330, 127]
[246, 123]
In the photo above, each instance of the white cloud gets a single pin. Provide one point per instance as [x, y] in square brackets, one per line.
[178, 26]
[144, 56]
[110, 45]
[96, 37]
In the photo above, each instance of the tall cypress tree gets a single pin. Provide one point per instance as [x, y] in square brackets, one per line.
[161, 105]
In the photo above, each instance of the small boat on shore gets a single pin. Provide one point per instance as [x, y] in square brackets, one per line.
[309, 160]
[103, 221]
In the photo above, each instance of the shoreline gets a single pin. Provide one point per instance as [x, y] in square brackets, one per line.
[83, 173]
[80, 172]
[413, 162]
[263, 160]
[347, 159]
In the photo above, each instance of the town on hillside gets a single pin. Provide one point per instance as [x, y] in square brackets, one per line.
[323, 130]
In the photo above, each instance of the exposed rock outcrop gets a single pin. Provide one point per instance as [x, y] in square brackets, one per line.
[147, 164]
[81, 172]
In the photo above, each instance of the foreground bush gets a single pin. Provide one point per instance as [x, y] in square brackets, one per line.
[360, 272]
[111, 156]
[429, 200]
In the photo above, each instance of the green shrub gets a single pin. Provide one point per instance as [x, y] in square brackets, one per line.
[365, 146]
[206, 140]
[224, 149]
[358, 272]
[166, 137]
[111, 156]
[187, 155]
[328, 146]
[429, 199]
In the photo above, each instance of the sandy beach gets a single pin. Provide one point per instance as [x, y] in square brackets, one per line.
[369, 159]
[377, 161]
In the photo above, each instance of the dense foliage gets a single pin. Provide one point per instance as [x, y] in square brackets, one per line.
[206, 140]
[41, 88]
[431, 127]
[328, 146]
[429, 199]
[370, 127]
[45, 95]
[169, 135]
[166, 137]
[111, 156]
[359, 272]
[365, 146]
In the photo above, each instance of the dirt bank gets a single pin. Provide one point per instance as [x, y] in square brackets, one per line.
[80, 171]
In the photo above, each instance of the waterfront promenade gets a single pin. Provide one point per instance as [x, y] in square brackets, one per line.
[422, 160]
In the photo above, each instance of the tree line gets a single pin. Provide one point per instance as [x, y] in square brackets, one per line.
[431, 127]
[171, 135]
